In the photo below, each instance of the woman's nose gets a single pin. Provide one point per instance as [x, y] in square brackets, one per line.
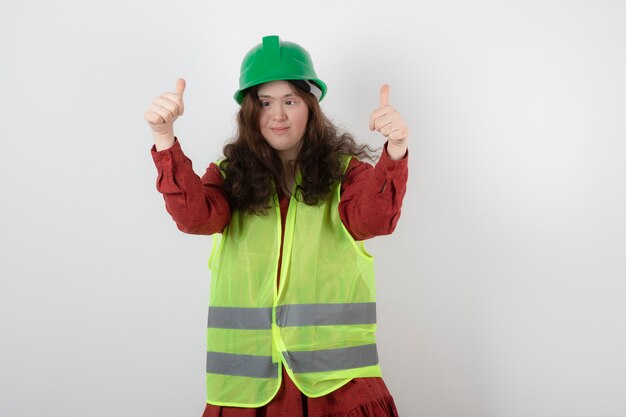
[278, 113]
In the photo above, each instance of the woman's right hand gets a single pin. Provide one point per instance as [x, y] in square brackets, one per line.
[162, 114]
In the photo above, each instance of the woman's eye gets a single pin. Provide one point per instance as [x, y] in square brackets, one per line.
[290, 102]
[265, 103]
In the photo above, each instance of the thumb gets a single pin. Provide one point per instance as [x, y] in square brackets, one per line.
[384, 95]
[180, 86]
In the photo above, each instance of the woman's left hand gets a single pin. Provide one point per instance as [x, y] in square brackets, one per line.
[386, 120]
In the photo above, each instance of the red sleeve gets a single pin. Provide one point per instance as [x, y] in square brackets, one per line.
[197, 205]
[371, 196]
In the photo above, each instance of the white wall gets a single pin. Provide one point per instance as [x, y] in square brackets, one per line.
[501, 291]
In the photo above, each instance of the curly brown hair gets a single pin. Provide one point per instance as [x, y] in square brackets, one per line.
[252, 168]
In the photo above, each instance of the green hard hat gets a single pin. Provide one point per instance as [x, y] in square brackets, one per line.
[274, 60]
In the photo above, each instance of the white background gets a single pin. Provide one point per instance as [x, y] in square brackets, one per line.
[501, 292]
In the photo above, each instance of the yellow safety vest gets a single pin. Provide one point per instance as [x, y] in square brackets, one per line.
[320, 323]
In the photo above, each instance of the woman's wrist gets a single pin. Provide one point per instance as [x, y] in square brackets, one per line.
[397, 152]
[164, 141]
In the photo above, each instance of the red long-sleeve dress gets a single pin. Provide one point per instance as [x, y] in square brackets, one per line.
[371, 199]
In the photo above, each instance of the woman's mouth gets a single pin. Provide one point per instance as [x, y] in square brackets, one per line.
[279, 131]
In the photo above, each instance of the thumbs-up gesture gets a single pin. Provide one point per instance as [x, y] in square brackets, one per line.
[164, 110]
[386, 120]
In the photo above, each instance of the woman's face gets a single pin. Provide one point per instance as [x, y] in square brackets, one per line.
[283, 118]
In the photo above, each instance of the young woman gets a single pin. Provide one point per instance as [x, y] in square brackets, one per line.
[292, 318]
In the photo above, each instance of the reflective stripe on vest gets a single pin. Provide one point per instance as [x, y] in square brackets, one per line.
[241, 365]
[306, 361]
[325, 314]
[292, 315]
[240, 318]
[332, 359]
